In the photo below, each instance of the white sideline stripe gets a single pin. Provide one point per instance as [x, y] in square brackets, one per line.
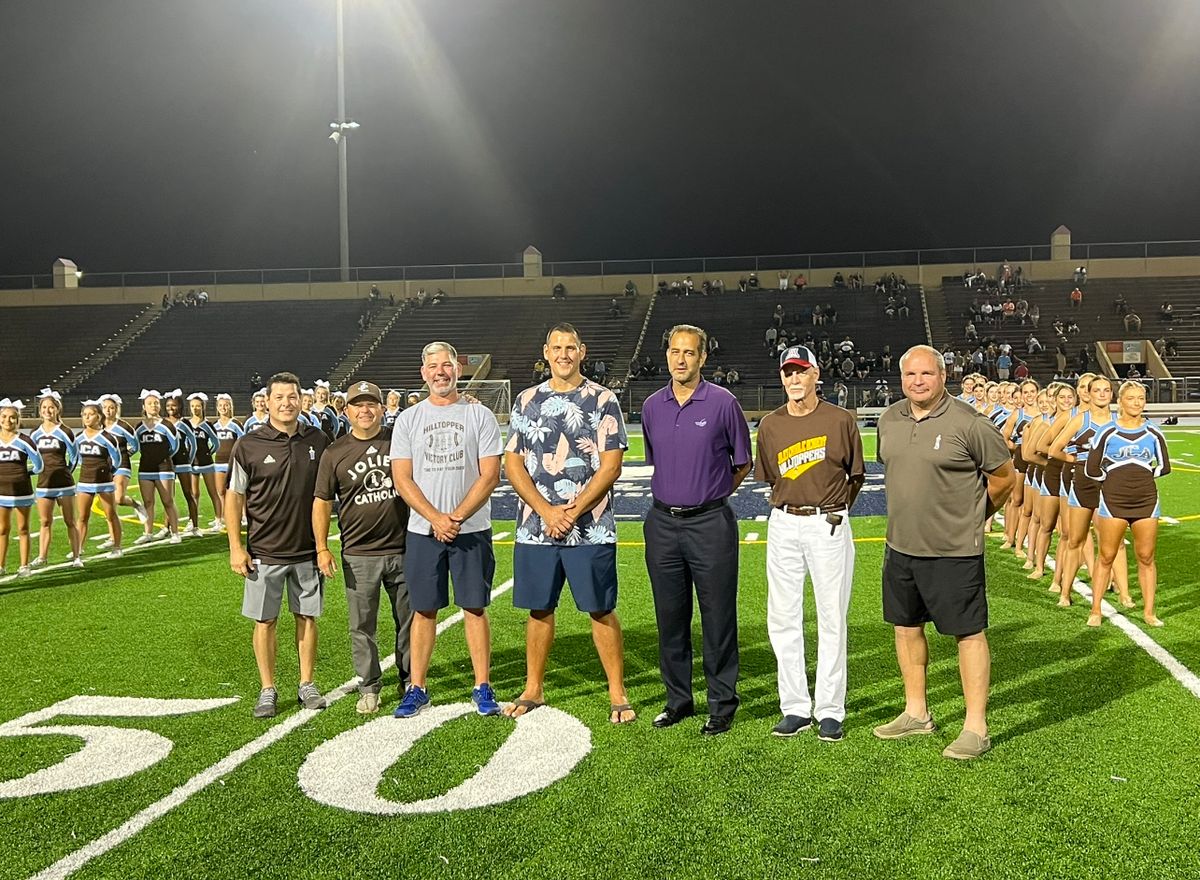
[500, 536]
[69, 864]
[751, 537]
[1161, 655]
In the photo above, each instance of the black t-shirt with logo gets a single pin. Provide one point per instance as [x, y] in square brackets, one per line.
[372, 516]
[277, 475]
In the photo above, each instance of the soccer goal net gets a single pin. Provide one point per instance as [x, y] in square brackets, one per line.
[495, 394]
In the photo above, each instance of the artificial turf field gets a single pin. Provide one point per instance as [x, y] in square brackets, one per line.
[1093, 771]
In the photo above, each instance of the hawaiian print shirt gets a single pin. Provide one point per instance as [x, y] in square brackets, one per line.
[561, 436]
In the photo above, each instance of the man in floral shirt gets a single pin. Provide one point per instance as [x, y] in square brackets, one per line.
[565, 445]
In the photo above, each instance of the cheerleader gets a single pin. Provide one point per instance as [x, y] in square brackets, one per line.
[18, 455]
[1083, 495]
[1035, 466]
[99, 458]
[1126, 457]
[1083, 401]
[1064, 404]
[392, 412]
[158, 442]
[1024, 411]
[204, 467]
[122, 431]
[228, 430]
[56, 444]
[308, 414]
[184, 459]
[339, 408]
[258, 417]
[324, 410]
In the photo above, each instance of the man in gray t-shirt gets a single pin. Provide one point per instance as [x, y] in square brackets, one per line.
[445, 464]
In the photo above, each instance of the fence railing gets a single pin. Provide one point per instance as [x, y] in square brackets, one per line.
[986, 256]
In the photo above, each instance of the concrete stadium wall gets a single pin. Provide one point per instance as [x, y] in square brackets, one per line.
[590, 285]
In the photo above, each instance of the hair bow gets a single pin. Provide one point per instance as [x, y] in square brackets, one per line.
[178, 392]
[115, 398]
[262, 391]
[197, 395]
[322, 383]
[149, 393]
[224, 396]
[307, 391]
[47, 394]
[88, 403]
[12, 404]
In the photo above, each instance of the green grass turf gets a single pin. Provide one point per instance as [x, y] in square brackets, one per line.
[1071, 709]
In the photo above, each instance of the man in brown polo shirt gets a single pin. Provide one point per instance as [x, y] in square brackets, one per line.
[272, 474]
[811, 453]
[946, 471]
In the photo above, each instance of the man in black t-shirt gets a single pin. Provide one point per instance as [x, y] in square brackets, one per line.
[272, 472]
[356, 469]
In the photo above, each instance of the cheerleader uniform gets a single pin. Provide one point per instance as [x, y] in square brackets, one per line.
[1126, 462]
[1066, 469]
[1085, 491]
[185, 452]
[389, 418]
[122, 432]
[99, 457]
[227, 434]
[206, 447]
[17, 457]
[1022, 420]
[59, 457]
[253, 422]
[158, 445]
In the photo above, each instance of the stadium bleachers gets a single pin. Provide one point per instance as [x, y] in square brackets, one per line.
[511, 329]
[218, 347]
[43, 342]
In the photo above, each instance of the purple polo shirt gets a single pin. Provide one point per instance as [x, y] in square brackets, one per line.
[694, 448]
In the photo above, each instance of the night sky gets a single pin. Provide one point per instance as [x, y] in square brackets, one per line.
[192, 134]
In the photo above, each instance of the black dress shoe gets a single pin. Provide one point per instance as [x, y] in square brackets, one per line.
[717, 724]
[669, 717]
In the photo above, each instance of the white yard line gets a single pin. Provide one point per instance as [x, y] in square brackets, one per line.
[751, 537]
[69, 864]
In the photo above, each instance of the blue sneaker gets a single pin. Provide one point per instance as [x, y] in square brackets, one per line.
[415, 699]
[484, 699]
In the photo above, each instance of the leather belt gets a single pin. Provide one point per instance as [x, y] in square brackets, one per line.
[685, 512]
[808, 511]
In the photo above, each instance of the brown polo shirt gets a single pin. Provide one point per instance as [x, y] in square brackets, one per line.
[277, 475]
[934, 477]
[808, 460]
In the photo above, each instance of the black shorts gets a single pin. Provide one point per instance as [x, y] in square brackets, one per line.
[947, 590]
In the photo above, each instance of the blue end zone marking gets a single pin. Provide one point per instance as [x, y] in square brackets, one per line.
[749, 502]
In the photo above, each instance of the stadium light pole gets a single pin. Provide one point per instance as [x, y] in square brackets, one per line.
[341, 129]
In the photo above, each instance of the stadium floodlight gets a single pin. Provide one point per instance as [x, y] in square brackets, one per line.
[340, 129]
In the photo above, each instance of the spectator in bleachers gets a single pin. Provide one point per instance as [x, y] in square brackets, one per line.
[818, 315]
[830, 315]
[885, 359]
[861, 368]
[1004, 274]
[1059, 327]
[883, 394]
[902, 308]
[601, 372]
[889, 308]
[662, 286]
[439, 296]
[631, 290]
[1020, 371]
[614, 308]
[846, 346]
[1172, 348]
[1076, 298]
[743, 284]
[784, 275]
[718, 286]
[1081, 275]
[969, 332]
[1019, 277]
[733, 377]
[166, 302]
[841, 393]
[202, 298]
[1166, 312]
[713, 345]
[1160, 346]
[778, 315]
[846, 367]
[1120, 305]
[1008, 311]
[1134, 373]
[985, 310]
[770, 337]
[1072, 327]
[558, 292]
[539, 370]
[753, 281]
[706, 287]
[838, 281]
[677, 287]
[856, 281]
[1085, 359]
[688, 286]
[649, 368]
[1060, 360]
[1021, 311]
[1003, 366]
[1033, 345]
[800, 282]
[718, 377]
[1133, 322]
[1035, 315]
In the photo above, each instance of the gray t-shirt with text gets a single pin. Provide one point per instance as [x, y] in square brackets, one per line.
[445, 444]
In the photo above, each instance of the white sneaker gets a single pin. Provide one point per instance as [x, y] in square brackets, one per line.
[70, 555]
[143, 539]
[37, 562]
[115, 553]
[24, 571]
[175, 539]
[140, 510]
[194, 532]
[77, 562]
[105, 544]
[215, 524]
[161, 533]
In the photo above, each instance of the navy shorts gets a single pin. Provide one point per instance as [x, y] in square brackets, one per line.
[430, 565]
[539, 571]
[947, 590]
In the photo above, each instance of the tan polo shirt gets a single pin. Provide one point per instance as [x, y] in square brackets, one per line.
[934, 477]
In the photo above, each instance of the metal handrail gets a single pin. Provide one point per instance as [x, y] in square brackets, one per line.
[973, 254]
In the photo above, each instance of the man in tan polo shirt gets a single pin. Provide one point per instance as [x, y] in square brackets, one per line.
[946, 471]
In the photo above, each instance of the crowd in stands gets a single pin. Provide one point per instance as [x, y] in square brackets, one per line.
[191, 299]
[1006, 278]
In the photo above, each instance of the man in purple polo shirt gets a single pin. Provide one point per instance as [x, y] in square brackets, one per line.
[698, 441]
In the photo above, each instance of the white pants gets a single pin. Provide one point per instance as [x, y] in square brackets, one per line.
[800, 546]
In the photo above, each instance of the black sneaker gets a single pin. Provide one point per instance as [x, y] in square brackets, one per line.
[791, 725]
[830, 730]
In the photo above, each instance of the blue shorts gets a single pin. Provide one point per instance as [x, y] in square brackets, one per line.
[204, 469]
[96, 488]
[123, 472]
[539, 571]
[13, 501]
[219, 468]
[430, 565]
[184, 469]
[64, 492]
[152, 476]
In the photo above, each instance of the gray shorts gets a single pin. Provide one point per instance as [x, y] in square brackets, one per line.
[263, 591]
